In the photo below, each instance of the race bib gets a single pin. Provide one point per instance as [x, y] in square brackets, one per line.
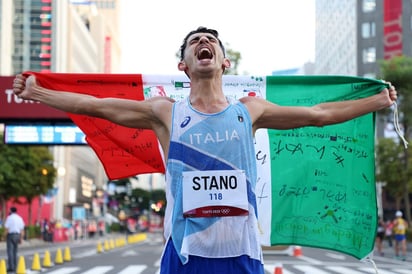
[214, 193]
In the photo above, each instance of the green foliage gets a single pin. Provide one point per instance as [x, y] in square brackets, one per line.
[235, 57]
[138, 198]
[33, 232]
[40, 178]
[159, 196]
[12, 168]
[141, 198]
[409, 234]
[25, 171]
[115, 227]
[398, 71]
[391, 169]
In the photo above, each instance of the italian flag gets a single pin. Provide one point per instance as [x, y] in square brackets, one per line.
[316, 185]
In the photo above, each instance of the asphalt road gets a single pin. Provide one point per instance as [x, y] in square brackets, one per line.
[143, 257]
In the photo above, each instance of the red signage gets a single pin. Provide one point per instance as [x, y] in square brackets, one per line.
[14, 108]
[392, 28]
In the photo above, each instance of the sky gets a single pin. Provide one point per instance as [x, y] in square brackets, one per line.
[270, 35]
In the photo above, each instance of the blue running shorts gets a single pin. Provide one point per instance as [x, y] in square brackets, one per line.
[171, 264]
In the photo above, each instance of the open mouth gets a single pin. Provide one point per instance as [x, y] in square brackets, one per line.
[204, 53]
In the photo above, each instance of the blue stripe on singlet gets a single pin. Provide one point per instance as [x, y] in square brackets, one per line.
[197, 160]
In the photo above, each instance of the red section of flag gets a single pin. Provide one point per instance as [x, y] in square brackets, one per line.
[124, 152]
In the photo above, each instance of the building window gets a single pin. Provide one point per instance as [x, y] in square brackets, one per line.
[368, 29]
[369, 55]
[368, 5]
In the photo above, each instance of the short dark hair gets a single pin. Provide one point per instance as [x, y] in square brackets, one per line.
[13, 209]
[215, 33]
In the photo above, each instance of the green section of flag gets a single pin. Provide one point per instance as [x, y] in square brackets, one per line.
[323, 179]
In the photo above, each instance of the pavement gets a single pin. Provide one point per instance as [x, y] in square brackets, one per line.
[33, 243]
[102, 243]
[388, 251]
[27, 243]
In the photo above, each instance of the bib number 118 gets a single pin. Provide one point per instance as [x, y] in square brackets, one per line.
[216, 196]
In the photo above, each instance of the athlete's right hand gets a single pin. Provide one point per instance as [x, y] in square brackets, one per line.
[23, 86]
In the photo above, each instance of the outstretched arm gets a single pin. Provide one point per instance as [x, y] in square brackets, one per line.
[268, 115]
[130, 113]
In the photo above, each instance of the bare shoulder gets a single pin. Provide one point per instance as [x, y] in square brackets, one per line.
[253, 101]
[255, 105]
[161, 99]
[162, 108]
[161, 103]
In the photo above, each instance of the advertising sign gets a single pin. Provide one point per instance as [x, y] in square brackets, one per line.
[14, 108]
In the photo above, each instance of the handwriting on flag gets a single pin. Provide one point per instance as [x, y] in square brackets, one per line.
[316, 186]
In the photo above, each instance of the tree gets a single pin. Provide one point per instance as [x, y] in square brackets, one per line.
[25, 172]
[235, 57]
[141, 198]
[398, 71]
[10, 168]
[40, 178]
[388, 153]
[159, 197]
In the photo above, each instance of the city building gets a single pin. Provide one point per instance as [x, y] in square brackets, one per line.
[67, 37]
[352, 36]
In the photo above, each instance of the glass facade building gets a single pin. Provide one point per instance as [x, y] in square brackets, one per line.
[32, 28]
